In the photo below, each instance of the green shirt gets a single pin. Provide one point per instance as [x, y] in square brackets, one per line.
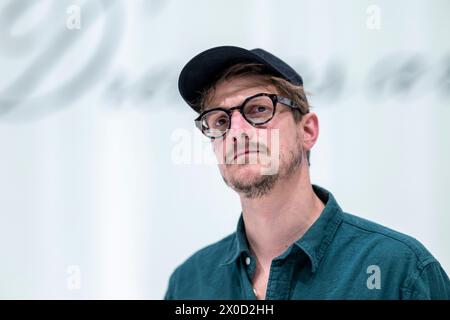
[340, 256]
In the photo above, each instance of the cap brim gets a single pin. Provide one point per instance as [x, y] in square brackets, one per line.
[203, 69]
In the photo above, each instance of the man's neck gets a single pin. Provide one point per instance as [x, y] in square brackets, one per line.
[276, 220]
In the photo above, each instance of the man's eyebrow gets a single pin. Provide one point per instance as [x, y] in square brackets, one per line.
[211, 106]
[215, 106]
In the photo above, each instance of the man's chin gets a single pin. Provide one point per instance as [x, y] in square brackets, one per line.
[249, 181]
[244, 170]
[246, 174]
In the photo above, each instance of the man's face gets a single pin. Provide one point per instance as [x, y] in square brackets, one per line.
[245, 152]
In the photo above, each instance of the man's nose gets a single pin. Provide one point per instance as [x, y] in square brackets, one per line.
[240, 130]
[238, 121]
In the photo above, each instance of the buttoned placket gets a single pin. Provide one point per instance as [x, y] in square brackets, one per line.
[248, 267]
[280, 275]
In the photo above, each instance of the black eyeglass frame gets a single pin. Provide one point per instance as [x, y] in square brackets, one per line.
[229, 111]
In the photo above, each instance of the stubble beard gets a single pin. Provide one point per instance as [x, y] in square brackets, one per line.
[262, 184]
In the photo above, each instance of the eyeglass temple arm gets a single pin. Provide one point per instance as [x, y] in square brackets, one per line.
[289, 103]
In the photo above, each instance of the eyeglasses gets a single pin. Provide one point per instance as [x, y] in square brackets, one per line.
[256, 110]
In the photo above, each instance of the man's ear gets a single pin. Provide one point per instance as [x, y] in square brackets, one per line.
[310, 125]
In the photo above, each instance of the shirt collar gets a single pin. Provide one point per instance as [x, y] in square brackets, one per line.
[313, 243]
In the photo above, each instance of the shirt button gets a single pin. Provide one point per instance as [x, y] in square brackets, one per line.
[247, 260]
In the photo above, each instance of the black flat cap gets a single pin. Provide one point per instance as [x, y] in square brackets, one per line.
[202, 70]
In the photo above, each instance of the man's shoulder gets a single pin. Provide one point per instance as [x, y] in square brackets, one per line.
[210, 255]
[199, 273]
[385, 240]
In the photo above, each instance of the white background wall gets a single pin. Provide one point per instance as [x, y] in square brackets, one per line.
[92, 204]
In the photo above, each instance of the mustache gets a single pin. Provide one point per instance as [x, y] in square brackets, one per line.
[233, 151]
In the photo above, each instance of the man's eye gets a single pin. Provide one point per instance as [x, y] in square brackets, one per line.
[221, 122]
[259, 109]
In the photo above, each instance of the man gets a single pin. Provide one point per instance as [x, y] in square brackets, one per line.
[292, 241]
